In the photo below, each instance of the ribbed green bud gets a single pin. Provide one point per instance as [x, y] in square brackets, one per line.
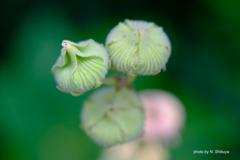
[112, 116]
[80, 67]
[138, 47]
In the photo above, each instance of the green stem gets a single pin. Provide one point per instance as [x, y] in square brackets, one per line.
[119, 81]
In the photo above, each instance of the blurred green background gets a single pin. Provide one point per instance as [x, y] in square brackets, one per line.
[38, 122]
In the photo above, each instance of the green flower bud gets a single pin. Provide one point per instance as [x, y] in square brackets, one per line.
[80, 67]
[112, 116]
[138, 47]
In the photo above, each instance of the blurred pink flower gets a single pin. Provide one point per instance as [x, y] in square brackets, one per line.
[165, 114]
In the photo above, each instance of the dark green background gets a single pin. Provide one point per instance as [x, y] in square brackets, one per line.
[39, 122]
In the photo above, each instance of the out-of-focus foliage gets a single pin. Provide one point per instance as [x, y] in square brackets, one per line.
[39, 122]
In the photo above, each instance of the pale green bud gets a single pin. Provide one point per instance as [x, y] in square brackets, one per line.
[80, 67]
[138, 47]
[112, 116]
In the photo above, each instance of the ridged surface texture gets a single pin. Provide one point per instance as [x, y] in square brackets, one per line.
[80, 67]
[112, 116]
[138, 47]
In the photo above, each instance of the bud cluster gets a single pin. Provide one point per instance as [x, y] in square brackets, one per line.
[112, 115]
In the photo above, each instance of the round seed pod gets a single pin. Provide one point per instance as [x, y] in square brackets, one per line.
[80, 67]
[112, 116]
[138, 47]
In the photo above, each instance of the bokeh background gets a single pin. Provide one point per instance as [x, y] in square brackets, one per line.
[38, 122]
